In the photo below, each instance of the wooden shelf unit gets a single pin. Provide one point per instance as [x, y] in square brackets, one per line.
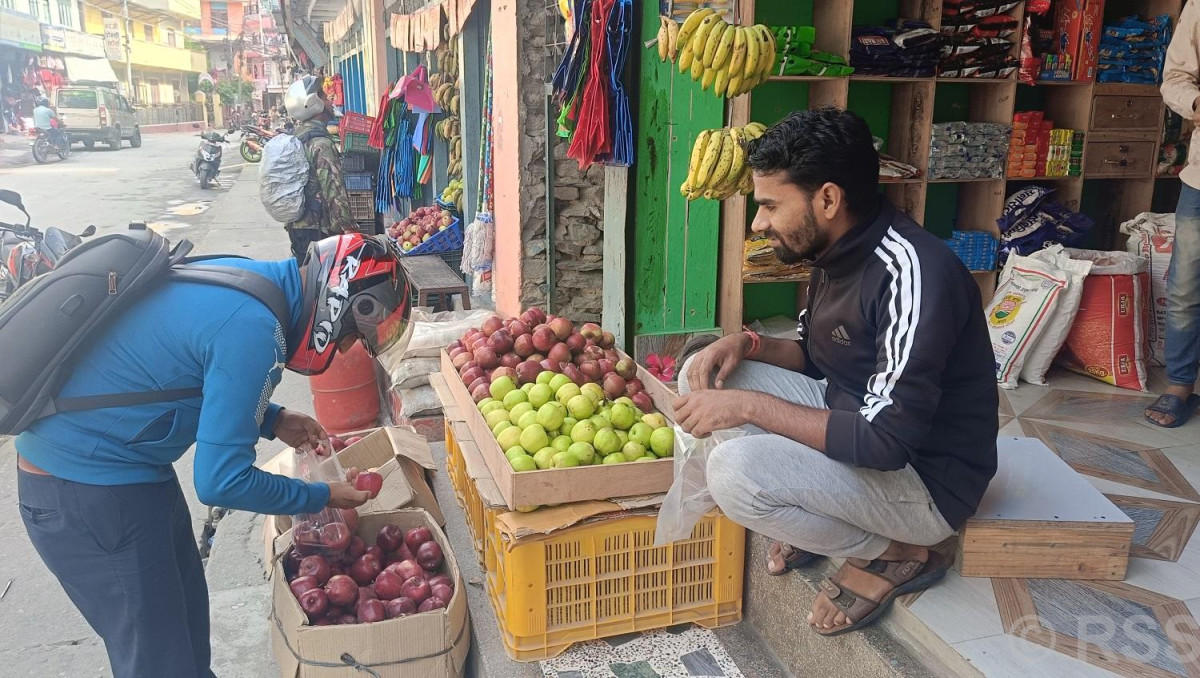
[1122, 122]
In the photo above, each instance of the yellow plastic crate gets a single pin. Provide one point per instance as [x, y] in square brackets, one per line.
[479, 517]
[607, 578]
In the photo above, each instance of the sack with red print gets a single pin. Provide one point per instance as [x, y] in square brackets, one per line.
[1152, 236]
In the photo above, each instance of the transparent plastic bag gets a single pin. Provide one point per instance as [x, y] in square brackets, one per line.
[688, 499]
[324, 532]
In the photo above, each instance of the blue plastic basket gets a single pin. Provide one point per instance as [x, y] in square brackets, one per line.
[443, 241]
[976, 249]
[357, 181]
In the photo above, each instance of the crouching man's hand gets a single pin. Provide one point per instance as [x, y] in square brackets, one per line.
[702, 412]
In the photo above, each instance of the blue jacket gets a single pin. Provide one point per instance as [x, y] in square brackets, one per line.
[183, 335]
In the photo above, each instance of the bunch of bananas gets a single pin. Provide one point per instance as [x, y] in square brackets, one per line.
[717, 168]
[452, 194]
[730, 59]
[447, 88]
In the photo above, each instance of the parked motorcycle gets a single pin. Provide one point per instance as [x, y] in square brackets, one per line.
[254, 137]
[25, 252]
[207, 163]
[44, 142]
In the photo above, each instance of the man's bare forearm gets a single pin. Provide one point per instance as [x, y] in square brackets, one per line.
[805, 425]
[783, 353]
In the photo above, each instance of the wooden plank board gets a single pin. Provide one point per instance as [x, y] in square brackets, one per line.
[676, 242]
[616, 201]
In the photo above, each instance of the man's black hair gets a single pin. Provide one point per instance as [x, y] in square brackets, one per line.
[819, 146]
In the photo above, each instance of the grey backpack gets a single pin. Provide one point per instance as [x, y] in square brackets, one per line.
[48, 322]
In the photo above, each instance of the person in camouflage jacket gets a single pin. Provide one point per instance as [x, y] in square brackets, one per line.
[326, 203]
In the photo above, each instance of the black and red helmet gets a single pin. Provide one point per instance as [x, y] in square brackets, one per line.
[353, 285]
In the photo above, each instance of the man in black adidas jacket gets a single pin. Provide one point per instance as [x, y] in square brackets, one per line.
[893, 450]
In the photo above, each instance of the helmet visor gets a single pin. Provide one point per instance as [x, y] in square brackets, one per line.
[381, 316]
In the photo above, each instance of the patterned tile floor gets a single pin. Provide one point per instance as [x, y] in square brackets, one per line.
[1143, 626]
[683, 651]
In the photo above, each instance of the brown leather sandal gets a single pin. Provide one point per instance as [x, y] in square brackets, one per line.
[783, 558]
[886, 579]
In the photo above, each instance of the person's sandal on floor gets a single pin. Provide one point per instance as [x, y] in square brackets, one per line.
[863, 590]
[1173, 406]
[783, 558]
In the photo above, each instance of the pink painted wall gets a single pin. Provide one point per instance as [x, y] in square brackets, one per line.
[506, 171]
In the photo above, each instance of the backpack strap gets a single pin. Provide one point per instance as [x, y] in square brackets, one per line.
[223, 276]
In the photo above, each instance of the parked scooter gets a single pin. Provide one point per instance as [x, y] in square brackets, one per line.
[207, 163]
[26, 252]
[254, 138]
[45, 142]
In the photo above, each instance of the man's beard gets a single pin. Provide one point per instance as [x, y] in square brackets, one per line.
[805, 243]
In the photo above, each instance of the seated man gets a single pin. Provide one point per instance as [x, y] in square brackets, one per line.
[892, 452]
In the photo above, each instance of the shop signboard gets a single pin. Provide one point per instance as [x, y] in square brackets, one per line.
[112, 39]
[67, 41]
[18, 29]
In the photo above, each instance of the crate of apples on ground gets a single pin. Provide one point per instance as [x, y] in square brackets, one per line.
[557, 397]
[421, 225]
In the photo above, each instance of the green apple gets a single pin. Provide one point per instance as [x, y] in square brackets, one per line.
[583, 432]
[544, 456]
[523, 462]
[558, 381]
[606, 441]
[654, 420]
[528, 509]
[514, 414]
[564, 460]
[500, 426]
[581, 406]
[509, 438]
[545, 377]
[533, 437]
[495, 417]
[514, 397]
[583, 452]
[593, 391]
[492, 407]
[601, 421]
[568, 391]
[501, 388]
[662, 441]
[526, 420]
[540, 394]
[622, 436]
[528, 387]
[568, 423]
[615, 458]
[640, 433]
[561, 443]
[638, 414]
[515, 451]
[624, 400]
[621, 416]
[648, 457]
[484, 403]
[551, 416]
[633, 451]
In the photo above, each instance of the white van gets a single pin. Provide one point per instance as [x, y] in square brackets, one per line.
[98, 114]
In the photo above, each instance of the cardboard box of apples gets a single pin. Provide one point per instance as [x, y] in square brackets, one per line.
[424, 223]
[392, 602]
[560, 415]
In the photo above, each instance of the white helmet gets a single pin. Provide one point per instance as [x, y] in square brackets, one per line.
[303, 99]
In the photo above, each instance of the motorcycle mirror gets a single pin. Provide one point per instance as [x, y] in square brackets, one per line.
[11, 197]
[88, 232]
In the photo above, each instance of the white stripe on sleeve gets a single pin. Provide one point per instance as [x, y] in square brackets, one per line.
[902, 263]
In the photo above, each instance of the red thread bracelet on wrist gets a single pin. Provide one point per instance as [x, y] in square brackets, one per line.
[755, 342]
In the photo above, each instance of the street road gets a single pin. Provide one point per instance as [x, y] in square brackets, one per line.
[41, 634]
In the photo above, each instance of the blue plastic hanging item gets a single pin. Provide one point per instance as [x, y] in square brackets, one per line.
[621, 126]
[593, 135]
[574, 64]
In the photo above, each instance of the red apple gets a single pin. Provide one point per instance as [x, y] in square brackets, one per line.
[417, 536]
[301, 584]
[400, 607]
[614, 386]
[370, 611]
[501, 341]
[314, 602]
[342, 590]
[461, 359]
[606, 365]
[367, 593]
[429, 556]
[390, 538]
[490, 325]
[626, 368]
[369, 481]
[607, 339]
[442, 579]
[543, 338]
[510, 372]
[576, 343]
[559, 353]
[591, 331]
[365, 569]
[335, 537]
[441, 592]
[518, 327]
[523, 345]
[561, 327]
[509, 359]
[486, 357]
[633, 387]
[407, 569]
[481, 394]
[527, 372]
[417, 589]
[550, 365]
[591, 369]
[643, 402]
[574, 374]
[356, 548]
[387, 585]
[432, 603]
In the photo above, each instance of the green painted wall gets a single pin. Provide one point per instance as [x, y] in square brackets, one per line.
[674, 278]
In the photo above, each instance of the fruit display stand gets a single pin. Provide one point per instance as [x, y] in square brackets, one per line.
[564, 485]
[432, 644]
[589, 570]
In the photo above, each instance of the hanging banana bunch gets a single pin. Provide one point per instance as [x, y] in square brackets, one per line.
[727, 58]
[717, 168]
[447, 93]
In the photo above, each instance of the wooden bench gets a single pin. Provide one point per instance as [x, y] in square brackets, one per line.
[1040, 519]
[429, 275]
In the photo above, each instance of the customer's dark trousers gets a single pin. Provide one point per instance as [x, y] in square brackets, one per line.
[126, 556]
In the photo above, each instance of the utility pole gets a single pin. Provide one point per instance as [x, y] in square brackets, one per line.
[128, 50]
